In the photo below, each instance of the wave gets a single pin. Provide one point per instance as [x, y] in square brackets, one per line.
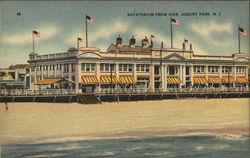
[44, 155]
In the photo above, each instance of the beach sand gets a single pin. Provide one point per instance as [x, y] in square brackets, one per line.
[26, 122]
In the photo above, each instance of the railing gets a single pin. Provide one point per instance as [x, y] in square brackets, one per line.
[25, 92]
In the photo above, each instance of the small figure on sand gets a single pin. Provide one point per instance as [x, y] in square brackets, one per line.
[6, 106]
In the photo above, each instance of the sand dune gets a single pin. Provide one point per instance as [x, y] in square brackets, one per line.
[36, 121]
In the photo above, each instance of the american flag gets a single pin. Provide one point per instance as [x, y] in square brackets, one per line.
[175, 22]
[89, 19]
[243, 32]
[36, 33]
[79, 39]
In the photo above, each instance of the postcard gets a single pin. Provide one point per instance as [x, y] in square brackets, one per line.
[124, 79]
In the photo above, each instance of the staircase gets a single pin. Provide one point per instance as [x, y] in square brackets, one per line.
[87, 99]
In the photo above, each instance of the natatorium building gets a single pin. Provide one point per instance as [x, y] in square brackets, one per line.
[136, 67]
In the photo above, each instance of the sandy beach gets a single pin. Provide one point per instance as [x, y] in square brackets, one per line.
[25, 122]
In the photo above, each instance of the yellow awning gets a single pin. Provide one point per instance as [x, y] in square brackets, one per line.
[173, 80]
[214, 79]
[49, 81]
[89, 80]
[241, 80]
[228, 80]
[107, 80]
[127, 80]
[200, 80]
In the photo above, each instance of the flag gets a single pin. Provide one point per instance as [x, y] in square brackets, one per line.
[185, 41]
[175, 22]
[79, 39]
[89, 19]
[36, 33]
[152, 36]
[243, 32]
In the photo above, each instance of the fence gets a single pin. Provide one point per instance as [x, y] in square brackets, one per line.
[25, 92]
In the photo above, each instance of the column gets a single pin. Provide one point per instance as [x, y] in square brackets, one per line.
[220, 72]
[78, 77]
[180, 67]
[206, 73]
[234, 74]
[62, 69]
[162, 77]
[134, 71]
[191, 74]
[152, 78]
[166, 81]
[98, 76]
[184, 75]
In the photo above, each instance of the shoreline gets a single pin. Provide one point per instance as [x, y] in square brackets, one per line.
[27, 122]
[229, 133]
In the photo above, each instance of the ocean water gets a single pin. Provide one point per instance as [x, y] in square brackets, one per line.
[199, 146]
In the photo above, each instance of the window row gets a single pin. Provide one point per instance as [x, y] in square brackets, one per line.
[64, 67]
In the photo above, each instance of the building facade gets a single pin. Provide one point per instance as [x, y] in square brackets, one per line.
[141, 68]
[15, 77]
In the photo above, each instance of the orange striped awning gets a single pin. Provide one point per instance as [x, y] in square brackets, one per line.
[49, 81]
[200, 80]
[214, 79]
[107, 80]
[241, 80]
[228, 80]
[90, 80]
[173, 80]
[127, 80]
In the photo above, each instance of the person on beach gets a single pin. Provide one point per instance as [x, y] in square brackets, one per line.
[6, 106]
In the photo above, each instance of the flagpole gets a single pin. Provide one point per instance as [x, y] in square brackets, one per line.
[86, 30]
[78, 43]
[171, 33]
[239, 37]
[151, 41]
[33, 42]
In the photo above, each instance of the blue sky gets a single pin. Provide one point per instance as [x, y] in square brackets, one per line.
[61, 22]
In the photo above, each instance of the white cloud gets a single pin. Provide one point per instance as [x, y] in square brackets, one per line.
[105, 31]
[108, 30]
[23, 38]
[140, 33]
[206, 29]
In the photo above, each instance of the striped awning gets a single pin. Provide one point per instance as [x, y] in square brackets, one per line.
[173, 80]
[214, 79]
[127, 80]
[199, 80]
[90, 80]
[107, 80]
[49, 81]
[228, 80]
[241, 80]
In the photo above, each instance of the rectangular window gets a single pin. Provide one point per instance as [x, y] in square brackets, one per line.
[240, 69]
[199, 69]
[125, 67]
[213, 69]
[88, 67]
[226, 69]
[106, 67]
[73, 67]
[173, 70]
[66, 68]
[142, 67]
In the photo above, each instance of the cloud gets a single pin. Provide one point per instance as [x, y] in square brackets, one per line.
[108, 30]
[23, 38]
[140, 33]
[105, 31]
[208, 29]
